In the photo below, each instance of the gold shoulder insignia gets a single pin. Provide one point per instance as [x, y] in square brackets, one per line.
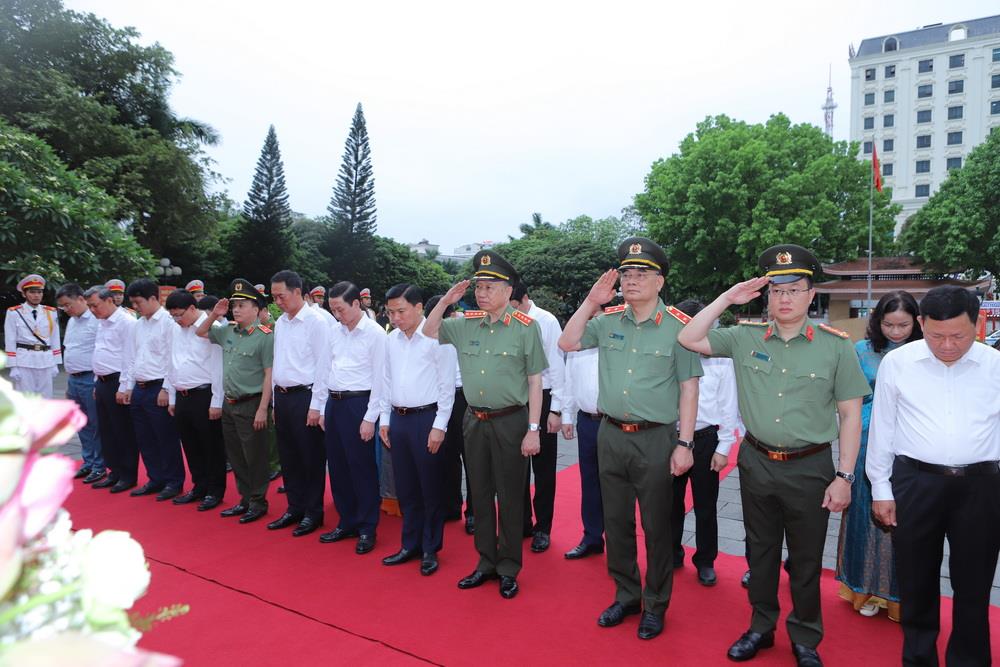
[836, 332]
[17, 307]
[611, 310]
[679, 314]
[51, 309]
[263, 328]
[522, 318]
[752, 323]
[474, 314]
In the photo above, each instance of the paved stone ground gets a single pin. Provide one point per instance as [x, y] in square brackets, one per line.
[730, 511]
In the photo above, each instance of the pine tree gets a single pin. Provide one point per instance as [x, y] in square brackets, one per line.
[353, 204]
[263, 243]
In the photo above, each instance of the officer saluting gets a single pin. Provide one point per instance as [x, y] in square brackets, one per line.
[793, 377]
[501, 358]
[31, 339]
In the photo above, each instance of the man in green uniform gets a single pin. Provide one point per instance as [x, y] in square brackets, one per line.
[793, 378]
[247, 356]
[647, 383]
[501, 358]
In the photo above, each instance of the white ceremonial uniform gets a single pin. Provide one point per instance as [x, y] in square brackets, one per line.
[31, 340]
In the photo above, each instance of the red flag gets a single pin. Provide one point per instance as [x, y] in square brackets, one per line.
[876, 171]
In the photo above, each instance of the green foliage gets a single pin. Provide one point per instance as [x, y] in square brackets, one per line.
[308, 235]
[536, 226]
[353, 203]
[959, 227]
[610, 231]
[55, 222]
[391, 263]
[735, 189]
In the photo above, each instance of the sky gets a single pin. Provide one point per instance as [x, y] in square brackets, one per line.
[480, 114]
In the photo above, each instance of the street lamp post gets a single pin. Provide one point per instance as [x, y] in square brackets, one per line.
[166, 271]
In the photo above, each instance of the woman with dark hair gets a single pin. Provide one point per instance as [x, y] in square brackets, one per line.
[866, 565]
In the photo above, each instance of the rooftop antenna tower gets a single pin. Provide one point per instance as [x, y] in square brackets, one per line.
[829, 106]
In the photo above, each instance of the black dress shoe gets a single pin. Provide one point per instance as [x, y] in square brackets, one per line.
[284, 521]
[229, 466]
[235, 510]
[805, 656]
[167, 493]
[428, 564]
[82, 472]
[650, 625]
[147, 489]
[275, 474]
[747, 646]
[679, 561]
[475, 580]
[94, 476]
[470, 525]
[281, 489]
[745, 581]
[706, 575]
[365, 544]
[400, 557]
[306, 526]
[188, 498]
[508, 587]
[209, 502]
[616, 613]
[120, 486]
[583, 550]
[110, 480]
[540, 542]
[336, 535]
[253, 514]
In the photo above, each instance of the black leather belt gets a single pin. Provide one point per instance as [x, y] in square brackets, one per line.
[784, 454]
[201, 387]
[413, 411]
[965, 470]
[341, 395]
[37, 347]
[142, 384]
[110, 377]
[632, 427]
[292, 390]
[81, 374]
[241, 399]
[592, 416]
[706, 431]
[486, 414]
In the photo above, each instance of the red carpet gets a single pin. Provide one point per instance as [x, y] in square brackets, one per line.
[261, 598]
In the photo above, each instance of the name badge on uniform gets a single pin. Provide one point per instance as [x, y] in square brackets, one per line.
[616, 336]
[474, 343]
[760, 355]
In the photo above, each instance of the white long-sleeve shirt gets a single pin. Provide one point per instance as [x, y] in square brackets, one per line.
[553, 377]
[358, 362]
[302, 353]
[418, 371]
[78, 347]
[924, 409]
[194, 362]
[581, 384]
[717, 401]
[113, 334]
[146, 352]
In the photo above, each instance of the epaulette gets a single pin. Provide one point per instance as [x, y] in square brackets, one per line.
[51, 309]
[17, 307]
[611, 310]
[836, 332]
[522, 318]
[679, 314]
[752, 323]
[233, 323]
[474, 314]
[263, 328]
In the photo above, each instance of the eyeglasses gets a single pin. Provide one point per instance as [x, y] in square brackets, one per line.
[790, 293]
[636, 275]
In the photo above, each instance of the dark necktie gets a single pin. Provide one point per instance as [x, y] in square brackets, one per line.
[34, 315]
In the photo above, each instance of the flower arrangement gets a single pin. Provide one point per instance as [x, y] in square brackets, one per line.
[64, 595]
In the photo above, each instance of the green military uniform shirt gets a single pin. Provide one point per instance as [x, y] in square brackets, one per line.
[495, 358]
[245, 355]
[640, 365]
[788, 391]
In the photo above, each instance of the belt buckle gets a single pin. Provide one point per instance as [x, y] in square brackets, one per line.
[281, 389]
[481, 415]
[402, 411]
[337, 395]
[954, 471]
[777, 456]
[629, 428]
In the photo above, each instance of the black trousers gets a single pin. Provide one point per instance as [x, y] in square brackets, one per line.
[544, 466]
[966, 510]
[455, 461]
[705, 491]
[354, 473]
[418, 480]
[156, 435]
[201, 439]
[303, 457]
[121, 452]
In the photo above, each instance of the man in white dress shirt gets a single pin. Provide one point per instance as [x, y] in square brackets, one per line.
[934, 466]
[31, 339]
[146, 390]
[544, 463]
[301, 364]
[418, 393]
[352, 410]
[195, 401]
[78, 359]
[114, 419]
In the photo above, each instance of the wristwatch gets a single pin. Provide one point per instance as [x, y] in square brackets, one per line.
[532, 427]
[849, 476]
[687, 444]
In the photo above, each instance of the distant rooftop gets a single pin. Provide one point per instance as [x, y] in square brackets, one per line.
[939, 33]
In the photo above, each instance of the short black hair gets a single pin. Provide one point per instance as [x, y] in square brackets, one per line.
[433, 301]
[345, 290]
[70, 291]
[690, 307]
[207, 302]
[291, 279]
[180, 298]
[411, 293]
[143, 287]
[520, 291]
[890, 303]
[948, 302]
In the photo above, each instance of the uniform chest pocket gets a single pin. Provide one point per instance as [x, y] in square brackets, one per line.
[757, 367]
[812, 384]
[472, 348]
[507, 358]
[613, 343]
[656, 356]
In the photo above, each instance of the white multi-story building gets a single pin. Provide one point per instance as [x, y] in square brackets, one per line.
[924, 99]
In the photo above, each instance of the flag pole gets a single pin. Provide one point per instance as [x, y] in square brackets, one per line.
[871, 208]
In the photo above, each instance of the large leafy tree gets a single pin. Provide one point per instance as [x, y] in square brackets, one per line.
[959, 227]
[735, 189]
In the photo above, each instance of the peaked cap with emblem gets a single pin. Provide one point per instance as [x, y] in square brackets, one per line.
[115, 285]
[366, 292]
[787, 263]
[637, 252]
[491, 266]
[319, 291]
[244, 290]
[260, 288]
[31, 281]
[195, 286]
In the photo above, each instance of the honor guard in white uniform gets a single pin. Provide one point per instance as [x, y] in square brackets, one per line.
[31, 339]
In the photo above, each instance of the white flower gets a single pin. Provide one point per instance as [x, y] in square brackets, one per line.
[115, 573]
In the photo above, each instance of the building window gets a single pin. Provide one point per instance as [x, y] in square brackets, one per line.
[923, 141]
[890, 70]
[887, 169]
[956, 86]
[923, 190]
[958, 32]
[869, 99]
[889, 96]
[955, 113]
[870, 74]
[890, 44]
[888, 120]
[957, 60]
[888, 145]
[868, 148]
[954, 138]
[924, 116]
[996, 55]
[995, 81]
[869, 122]
[925, 90]
[954, 163]
[923, 166]
[925, 66]
[995, 107]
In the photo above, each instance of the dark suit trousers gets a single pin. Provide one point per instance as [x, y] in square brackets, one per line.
[453, 449]
[354, 478]
[302, 455]
[591, 506]
[419, 475]
[157, 437]
[544, 466]
[705, 490]
[966, 510]
[201, 439]
[121, 453]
